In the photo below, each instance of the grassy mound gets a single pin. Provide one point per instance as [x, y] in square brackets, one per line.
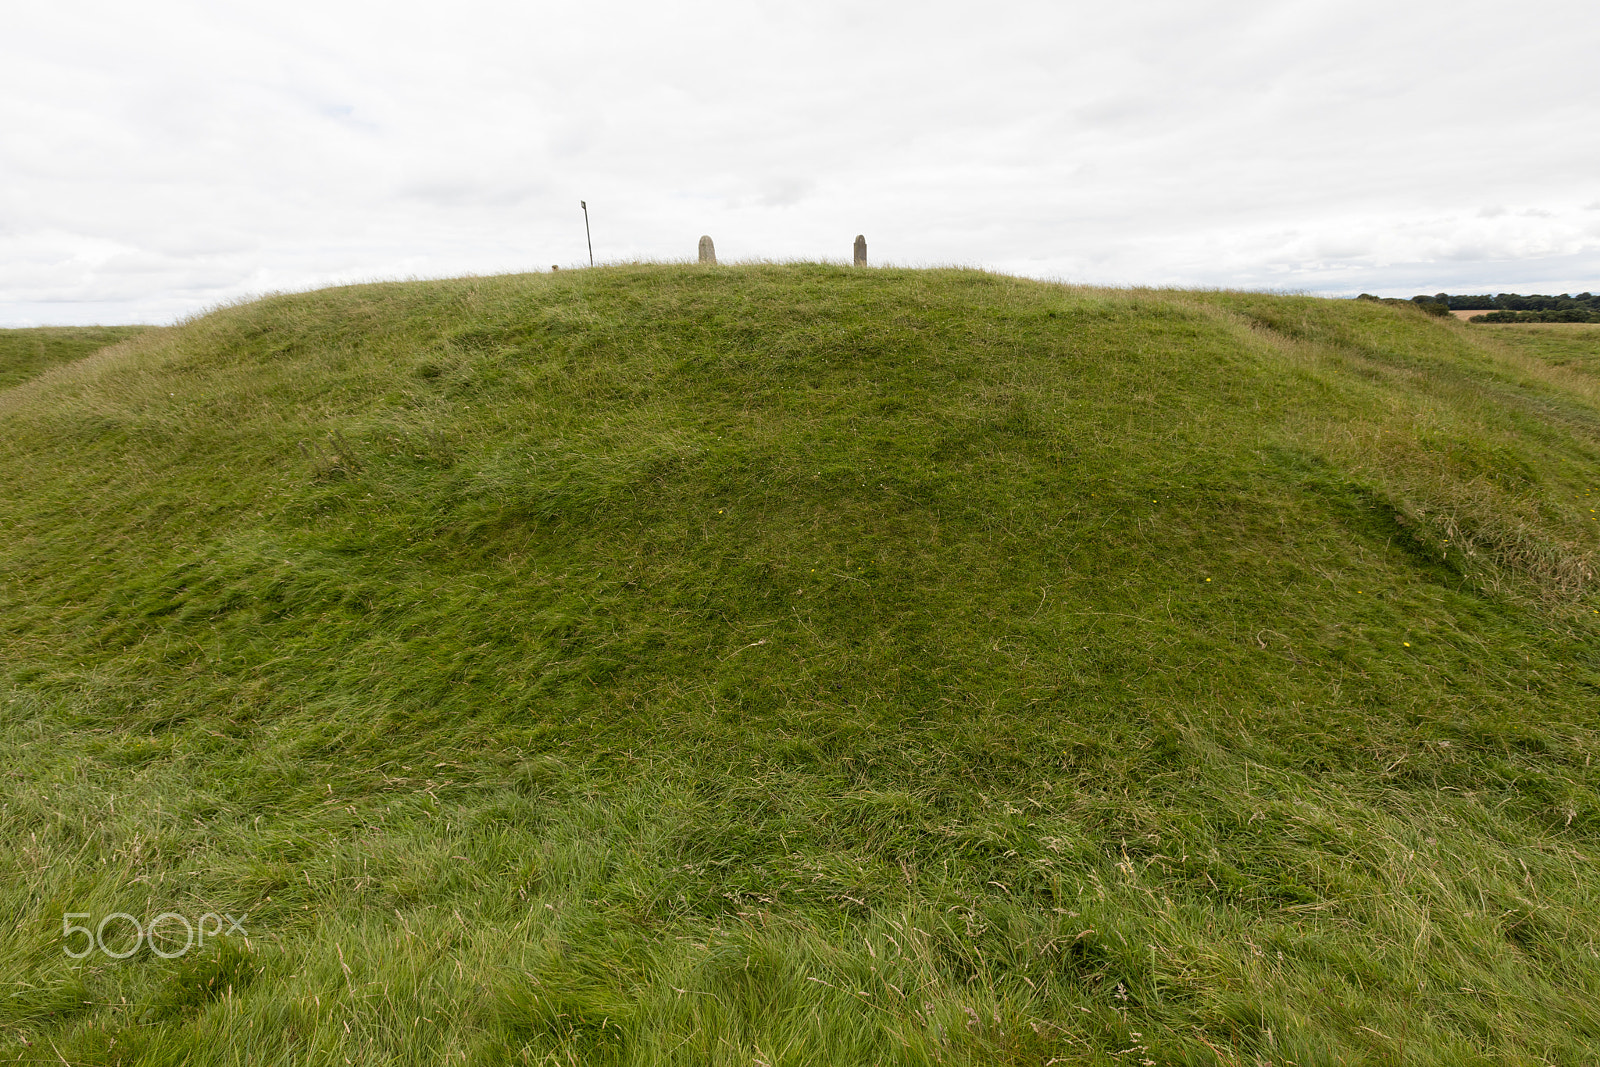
[793, 665]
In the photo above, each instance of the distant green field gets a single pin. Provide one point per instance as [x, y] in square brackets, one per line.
[1575, 345]
[803, 665]
[24, 353]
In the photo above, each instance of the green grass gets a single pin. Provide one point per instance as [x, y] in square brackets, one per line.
[1563, 344]
[799, 665]
[25, 353]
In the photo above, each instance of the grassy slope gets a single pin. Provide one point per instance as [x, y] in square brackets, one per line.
[797, 665]
[25, 353]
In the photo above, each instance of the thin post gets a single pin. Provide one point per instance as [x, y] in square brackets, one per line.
[585, 205]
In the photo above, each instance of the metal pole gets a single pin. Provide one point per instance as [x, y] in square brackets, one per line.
[585, 205]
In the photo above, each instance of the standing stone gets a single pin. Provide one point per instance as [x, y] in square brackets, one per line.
[861, 251]
[708, 251]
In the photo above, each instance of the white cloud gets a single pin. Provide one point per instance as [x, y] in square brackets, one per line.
[161, 158]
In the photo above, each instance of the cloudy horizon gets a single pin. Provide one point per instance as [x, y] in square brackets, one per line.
[163, 160]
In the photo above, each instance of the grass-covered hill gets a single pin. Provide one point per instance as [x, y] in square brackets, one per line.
[797, 665]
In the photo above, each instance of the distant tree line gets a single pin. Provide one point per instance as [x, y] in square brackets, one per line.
[1509, 307]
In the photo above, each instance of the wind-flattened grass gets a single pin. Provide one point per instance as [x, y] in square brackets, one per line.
[805, 665]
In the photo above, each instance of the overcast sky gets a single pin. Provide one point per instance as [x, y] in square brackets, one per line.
[160, 158]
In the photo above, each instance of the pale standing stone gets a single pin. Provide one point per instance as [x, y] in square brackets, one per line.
[708, 251]
[861, 251]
